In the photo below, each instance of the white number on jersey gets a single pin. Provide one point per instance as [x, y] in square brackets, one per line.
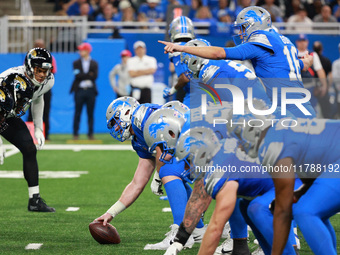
[293, 62]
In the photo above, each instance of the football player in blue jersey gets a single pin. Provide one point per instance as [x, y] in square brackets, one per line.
[161, 133]
[181, 30]
[207, 155]
[308, 148]
[126, 119]
[273, 56]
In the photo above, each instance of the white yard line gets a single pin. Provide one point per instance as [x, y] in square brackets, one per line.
[79, 147]
[72, 209]
[18, 174]
[33, 246]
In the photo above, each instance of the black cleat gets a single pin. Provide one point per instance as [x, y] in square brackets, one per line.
[37, 204]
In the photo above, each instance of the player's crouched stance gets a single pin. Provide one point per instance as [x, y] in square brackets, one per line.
[27, 84]
[126, 119]
[310, 149]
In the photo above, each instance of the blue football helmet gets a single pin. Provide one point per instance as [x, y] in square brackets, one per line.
[118, 116]
[251, 19]
[239, 127]
[177, 105]
[196, 146]
[163, 128]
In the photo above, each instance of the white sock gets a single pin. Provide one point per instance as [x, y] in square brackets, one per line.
[33, 190]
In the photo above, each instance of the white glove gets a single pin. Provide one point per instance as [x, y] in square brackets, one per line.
[2, 153]
[174, 249]
[156, 185]
[38, 133]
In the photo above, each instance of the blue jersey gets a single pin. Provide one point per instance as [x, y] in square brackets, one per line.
[275, 61]
[180, 67]
[252, 182]
[232, 73]
[313, 145]
[139, 117]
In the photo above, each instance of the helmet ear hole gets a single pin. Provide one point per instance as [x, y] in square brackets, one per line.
[172, 134]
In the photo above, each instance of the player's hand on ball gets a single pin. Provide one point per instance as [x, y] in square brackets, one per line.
[156, 185]
[105, 218]
[174, 249]
[38, 133]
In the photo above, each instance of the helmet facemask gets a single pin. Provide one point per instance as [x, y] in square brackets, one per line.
[119, 115]
[37, 61]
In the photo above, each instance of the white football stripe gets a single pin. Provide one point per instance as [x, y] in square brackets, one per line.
[33, 246]
[80, 147]
[166, 209]
[18, 174]
[72, 209]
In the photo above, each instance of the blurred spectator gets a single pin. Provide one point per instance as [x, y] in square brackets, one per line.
[336, 78]
[327, 67]
[308, 77]
[122, 88]
[313, 8]
[72, 8]
[142, 18]
[127, 13]
[195, 5]
[47, 96]
[141, 69]
[109, 14]
[204, 15]
[223, 10]
[243, 4]
[85, 11]
[99, 8]
[225, 16]
[273, 9]
[325, 16]
[84, 87]
[301, 18]
[336, 10]
[152, 10]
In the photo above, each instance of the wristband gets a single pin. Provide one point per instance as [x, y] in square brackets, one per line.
[173, 90]
[182, 235]
[116, 209]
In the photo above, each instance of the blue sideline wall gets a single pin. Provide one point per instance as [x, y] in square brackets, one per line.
[106, 52]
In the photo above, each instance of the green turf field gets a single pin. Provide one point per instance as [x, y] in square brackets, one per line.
[67, 232]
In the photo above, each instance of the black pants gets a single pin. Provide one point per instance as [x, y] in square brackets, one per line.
[46, 115]
[18, 134]
[145, 95]
[82, 97]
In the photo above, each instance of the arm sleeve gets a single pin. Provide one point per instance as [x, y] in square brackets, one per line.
[244, 51]
[37, 112]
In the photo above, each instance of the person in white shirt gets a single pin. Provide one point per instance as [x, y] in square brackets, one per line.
[141, 69]
[122, 87]
[38, 69]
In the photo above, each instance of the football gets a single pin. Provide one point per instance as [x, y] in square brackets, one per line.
[104, 234]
